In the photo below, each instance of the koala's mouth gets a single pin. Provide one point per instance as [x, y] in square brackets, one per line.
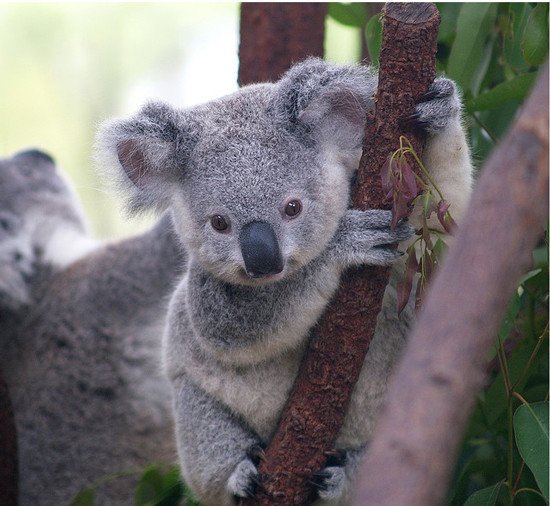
[254, 278]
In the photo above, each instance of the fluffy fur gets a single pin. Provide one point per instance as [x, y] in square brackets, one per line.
[234, 341]
[80, 327]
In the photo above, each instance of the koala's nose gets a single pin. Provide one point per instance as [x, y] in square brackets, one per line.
[260, 249]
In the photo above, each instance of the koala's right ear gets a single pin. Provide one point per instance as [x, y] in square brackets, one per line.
[146, 154]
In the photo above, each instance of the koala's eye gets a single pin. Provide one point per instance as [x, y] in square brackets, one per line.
[293, 208]
[219, 223]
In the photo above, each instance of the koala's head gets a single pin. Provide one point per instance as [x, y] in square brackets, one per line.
[258, 180]
[37, 207]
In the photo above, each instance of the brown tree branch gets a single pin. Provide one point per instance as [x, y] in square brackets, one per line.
[317, 405]
[433, 392]
[275, 35]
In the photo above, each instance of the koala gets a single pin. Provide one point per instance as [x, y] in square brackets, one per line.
[80, 326]
[259, 186]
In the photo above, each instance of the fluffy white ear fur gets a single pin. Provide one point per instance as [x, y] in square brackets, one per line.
[140, 154]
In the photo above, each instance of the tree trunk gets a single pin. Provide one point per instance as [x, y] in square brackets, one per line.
[317, 405]
[275, 35]
[413, 451]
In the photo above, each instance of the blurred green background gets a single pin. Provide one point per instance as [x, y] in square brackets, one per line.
[66, 67]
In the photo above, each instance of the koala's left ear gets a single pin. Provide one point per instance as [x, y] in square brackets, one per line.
[327, 104]
[146, 154]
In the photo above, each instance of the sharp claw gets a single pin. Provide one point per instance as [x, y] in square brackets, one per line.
[318, 479]
[256, 453]
[335, 458]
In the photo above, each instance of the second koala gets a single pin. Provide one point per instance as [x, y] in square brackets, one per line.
[259, 185]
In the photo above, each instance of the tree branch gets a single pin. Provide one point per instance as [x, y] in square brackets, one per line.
[317, 405]
[275, 35]
[434, 388]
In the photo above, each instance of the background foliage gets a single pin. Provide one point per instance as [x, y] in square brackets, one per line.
[493, 51]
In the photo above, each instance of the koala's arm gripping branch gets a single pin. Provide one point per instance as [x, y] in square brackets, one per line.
[434, 388]
[317, 406]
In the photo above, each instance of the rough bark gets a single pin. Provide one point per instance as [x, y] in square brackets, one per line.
[317, 405]
[433, 392]
[8, 448]
[275, 35]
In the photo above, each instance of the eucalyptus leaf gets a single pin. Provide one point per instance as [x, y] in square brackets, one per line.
[515, 89]
[349, 14]
[486, 496]
[535, 37]
[373, 36]
[518, 14]
[532, 440]
[149, 487]
[474, 25]
[84, 498]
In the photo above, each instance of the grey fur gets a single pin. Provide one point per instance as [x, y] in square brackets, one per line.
[80, 342]
[233, 343]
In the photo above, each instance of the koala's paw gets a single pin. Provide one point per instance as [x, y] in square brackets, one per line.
[244, 480]
[439, 106]
[330, 483]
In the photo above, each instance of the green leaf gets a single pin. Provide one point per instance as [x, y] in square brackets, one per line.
[485, 497]
[518, 14]
[474, 25]
[507, 323]
[84, 498]
[149, 487]
[532, 440]
[373, 36]
[515, 89]
[447, 28]
[535, 37]
[349, 14]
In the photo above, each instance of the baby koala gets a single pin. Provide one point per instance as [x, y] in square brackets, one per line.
[259, 186]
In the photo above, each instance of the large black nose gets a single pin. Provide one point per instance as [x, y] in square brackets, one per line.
[260, 249]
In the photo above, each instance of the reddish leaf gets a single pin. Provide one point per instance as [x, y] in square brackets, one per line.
[387, 177]
[420, 286]
[444, 216]
[408, 180]
[404, 288]
[400, 209]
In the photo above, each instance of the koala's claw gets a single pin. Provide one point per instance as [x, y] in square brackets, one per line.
[440, 88]
[336, 458]
[330, 482]
[244, 480]
[256, 453]
[437, 108]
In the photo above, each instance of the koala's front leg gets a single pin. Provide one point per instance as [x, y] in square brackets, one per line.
[363, 238]
[447, 155]
[216, 449]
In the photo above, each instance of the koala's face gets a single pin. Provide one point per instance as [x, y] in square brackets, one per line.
[255, 204]
[258, 180]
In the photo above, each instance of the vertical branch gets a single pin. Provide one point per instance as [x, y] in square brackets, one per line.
[275, 35]
[434, 388]
[317, 405]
